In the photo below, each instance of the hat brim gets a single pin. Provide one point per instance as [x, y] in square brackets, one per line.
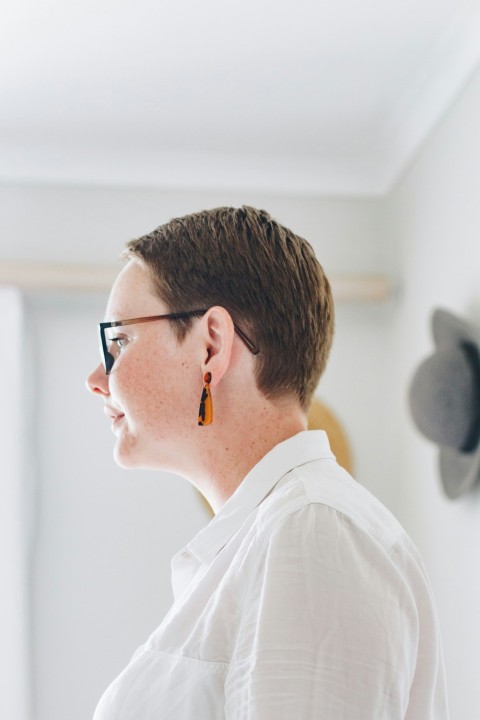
[459, 471]
[448, 329]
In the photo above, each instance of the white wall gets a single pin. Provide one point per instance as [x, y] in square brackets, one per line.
[433, 220]
[16, 527]
[105, 536]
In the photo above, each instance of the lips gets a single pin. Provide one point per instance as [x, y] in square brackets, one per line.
[113, 413]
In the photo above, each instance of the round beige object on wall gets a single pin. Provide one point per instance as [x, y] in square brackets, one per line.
[320, 417]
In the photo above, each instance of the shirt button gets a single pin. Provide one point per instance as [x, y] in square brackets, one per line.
[187, 555]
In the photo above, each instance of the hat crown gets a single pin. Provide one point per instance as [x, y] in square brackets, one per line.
[445, 397]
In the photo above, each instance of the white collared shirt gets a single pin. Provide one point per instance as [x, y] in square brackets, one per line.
[303, 598]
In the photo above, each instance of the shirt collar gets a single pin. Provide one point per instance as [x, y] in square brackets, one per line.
[299, 449]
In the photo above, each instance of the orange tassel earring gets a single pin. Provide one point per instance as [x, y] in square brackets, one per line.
[205, 413]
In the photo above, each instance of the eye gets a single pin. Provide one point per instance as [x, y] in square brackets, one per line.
[117, 344]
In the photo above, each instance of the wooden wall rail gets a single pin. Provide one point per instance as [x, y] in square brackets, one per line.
[98, 278]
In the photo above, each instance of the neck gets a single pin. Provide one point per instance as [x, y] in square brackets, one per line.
[230, 449]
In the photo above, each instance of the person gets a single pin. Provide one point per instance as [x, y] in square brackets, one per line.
[303, 597]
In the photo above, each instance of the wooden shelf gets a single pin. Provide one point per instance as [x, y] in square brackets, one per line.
[99, 278]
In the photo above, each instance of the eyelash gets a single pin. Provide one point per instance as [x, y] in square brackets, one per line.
[119, 340]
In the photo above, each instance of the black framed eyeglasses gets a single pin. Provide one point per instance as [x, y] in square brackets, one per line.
[111, 346]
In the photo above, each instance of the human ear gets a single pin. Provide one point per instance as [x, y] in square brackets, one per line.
[217, 334]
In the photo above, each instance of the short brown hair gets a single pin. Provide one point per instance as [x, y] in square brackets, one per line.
[267, 277]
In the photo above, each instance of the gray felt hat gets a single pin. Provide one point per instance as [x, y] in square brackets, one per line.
[445, 401]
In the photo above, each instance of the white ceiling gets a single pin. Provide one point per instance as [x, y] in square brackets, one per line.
[305, 97]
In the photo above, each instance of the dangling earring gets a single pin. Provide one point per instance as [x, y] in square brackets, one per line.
[205, 413]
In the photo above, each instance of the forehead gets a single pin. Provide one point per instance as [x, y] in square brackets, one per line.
[131, 295]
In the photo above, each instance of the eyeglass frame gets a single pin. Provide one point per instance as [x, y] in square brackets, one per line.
[109, 360]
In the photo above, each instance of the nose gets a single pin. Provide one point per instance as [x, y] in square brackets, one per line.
[97, 381]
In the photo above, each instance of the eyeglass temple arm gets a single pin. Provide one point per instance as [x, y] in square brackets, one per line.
[253, 348]
[178, 316]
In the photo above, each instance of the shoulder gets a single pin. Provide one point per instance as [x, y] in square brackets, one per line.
[322, 497]
[323, 522]
[334, 551]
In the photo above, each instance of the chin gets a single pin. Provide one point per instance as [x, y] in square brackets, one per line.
[126, 457]
[124, 463]
[130, 457]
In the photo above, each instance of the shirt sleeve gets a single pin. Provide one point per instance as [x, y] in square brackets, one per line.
[329, 626]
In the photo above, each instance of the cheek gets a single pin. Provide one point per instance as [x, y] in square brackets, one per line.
[156, 399]
[142, 395]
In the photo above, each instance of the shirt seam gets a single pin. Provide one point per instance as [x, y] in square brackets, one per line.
[341, 509]
[177, 656]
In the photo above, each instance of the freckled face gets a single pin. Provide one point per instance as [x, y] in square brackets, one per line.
[154, 382]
